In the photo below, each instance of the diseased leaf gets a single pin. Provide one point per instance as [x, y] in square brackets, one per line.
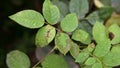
[91, 47]
[62, 42]
[74, 51]
[102, 48]
[45, 35]
[69, 23]
[50, 12]
[80, 7]
[28, 18]
[54, 61]
[113, 57]
[90, 61]
[115, 31]
[17, 59]
[97, 65]
[82, 36]
[100, 33]
[82, 57]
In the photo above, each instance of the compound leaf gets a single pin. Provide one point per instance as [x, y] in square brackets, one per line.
[113, 57]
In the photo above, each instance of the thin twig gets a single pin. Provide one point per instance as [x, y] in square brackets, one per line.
[44, 57]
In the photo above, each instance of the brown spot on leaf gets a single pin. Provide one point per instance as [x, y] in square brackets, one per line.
[111, 35]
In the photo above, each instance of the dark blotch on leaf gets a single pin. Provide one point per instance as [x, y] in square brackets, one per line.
[111, 35]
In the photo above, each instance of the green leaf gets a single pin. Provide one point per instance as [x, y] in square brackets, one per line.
[28, 18]
[62, 42]
[105, 12]
[69, 23]
[97, 65]
[113, 57]
[74, 51]
[54, 61]
[94, 17]
[116, 49]
[50, 12]
[90, 61]
[82, 57]
[102, 48]
[100, 33]
[63, 7]
[86, 26]
[80, 7]
[45, 35]
[115, 31]
[17, 59]
[82, 36]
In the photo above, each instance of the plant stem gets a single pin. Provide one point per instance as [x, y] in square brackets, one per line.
[43, 57]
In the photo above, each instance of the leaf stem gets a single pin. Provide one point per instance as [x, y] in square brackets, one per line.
[44, 57]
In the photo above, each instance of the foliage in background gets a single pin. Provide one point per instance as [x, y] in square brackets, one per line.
[76, 30]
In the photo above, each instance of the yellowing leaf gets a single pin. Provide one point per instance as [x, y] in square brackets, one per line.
[114, 19]
[74, 51]
[82, 36]
[62, 42]
[98, 3]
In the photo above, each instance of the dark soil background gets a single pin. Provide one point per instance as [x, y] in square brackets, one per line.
[12, 35]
